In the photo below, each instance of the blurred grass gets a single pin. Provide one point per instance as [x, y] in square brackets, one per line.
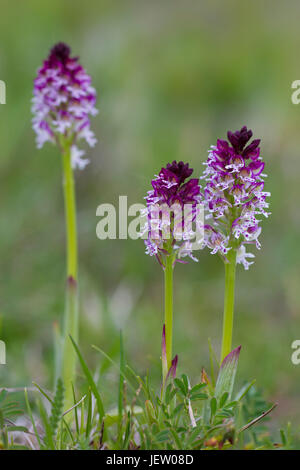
[171, 77]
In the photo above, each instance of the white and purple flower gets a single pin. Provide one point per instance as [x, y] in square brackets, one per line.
[234, 195]
[173, 205]
[63, 102]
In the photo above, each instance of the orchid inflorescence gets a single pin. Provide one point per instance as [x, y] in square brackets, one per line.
[234, 195]
[172, 206]
[63, 101]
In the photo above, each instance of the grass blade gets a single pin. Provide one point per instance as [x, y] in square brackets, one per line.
[90, 380]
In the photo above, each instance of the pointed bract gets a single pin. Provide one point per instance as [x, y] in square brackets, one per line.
[164, 354]
[226, 377]
[173, 368]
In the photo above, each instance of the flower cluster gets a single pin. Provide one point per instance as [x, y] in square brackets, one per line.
[62, 103]
[173, 206]
[234, 195]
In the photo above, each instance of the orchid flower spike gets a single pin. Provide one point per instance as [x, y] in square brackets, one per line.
[173, 205]
[63, 102]
[234, 196]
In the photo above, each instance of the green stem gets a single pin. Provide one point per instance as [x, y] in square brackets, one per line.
[71, 308]
[230, 269]
[169, 307]
[70, 211]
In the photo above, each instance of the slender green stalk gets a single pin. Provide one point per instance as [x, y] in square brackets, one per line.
[70, 212]
[71, 308]
[230, 269]
[169, 307]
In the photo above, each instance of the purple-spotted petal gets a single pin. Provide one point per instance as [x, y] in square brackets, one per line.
[256, 167]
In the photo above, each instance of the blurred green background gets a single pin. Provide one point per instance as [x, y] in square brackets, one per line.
[171, 78]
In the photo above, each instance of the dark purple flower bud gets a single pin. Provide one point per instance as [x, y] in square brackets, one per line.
[238, 139]
[252, 150]
[181, 170]
[63, 102]
[169, 185]
[60, 53]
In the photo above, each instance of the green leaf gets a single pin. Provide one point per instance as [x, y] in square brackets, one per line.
[176, 439]
[75, 411]
[240, 395]
[49, 442]
[197, 387]
[232, 404]
[162, 436]
[199, 396]
[89, 416]
[180, 386]
[17, 428]
[225, 414]
[150, 412]
[169, 394]
[213, 406]
[283, 437]
[226, 377]
[185, 382]
[121, 381]
[90, 380]
[223, 399]
[31, 418]
[177, 409]
[127, 432]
